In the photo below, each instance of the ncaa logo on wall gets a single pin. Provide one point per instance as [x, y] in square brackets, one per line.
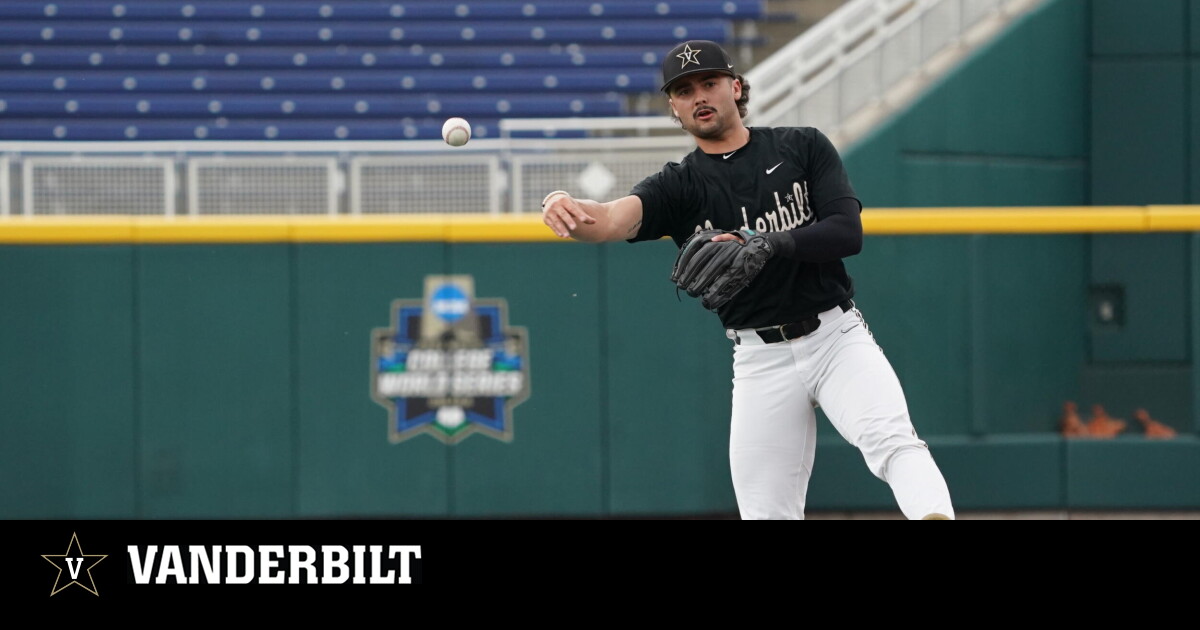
[450, 365]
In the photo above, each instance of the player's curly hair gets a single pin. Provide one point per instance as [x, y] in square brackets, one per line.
[741, 102]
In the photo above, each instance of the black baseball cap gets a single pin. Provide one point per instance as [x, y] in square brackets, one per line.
[692, 56]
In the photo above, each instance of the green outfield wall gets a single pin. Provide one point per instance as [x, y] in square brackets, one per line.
[1083, 102]
[143, 379]
[233, 380]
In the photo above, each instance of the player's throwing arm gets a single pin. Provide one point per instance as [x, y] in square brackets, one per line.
[591, 221]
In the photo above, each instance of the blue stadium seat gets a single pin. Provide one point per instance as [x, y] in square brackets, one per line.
[333, 69]
[16, 105]
[415, 56]
[306, 34]
[258, 129]
[324, 81]
[372, 10]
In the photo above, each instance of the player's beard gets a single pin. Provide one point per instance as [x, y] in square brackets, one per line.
[712, 129]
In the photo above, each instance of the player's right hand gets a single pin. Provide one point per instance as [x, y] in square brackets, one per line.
[563, 215]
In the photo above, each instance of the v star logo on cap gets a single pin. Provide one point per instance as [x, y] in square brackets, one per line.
[716, 59]
[688, 56]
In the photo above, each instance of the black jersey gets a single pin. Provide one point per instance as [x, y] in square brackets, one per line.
[780, 180]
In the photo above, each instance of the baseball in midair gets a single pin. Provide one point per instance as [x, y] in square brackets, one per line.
[456, 132]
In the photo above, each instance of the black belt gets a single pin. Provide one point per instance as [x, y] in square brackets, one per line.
[785, 332]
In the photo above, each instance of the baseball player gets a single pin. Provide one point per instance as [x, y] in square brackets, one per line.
[764, 217]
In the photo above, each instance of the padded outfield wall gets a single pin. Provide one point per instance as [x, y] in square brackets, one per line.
[232, 377]
[231, 380]
[1082, 103]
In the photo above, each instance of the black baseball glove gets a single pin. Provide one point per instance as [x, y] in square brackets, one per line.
[717, 271]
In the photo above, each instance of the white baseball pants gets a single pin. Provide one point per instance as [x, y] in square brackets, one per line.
[839, 367]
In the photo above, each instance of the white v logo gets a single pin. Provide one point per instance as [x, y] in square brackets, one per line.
[74, 567]
[772, 169]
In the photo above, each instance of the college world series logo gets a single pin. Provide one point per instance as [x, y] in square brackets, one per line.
[450, 365]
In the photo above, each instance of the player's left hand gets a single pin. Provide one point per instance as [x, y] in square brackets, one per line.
[716, 265]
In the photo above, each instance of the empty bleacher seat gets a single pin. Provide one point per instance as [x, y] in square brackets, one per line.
[380, 34]
[412, 57]
[516, 104]
[253, 129]
[325, 81]
[184, 69]
[373, 10]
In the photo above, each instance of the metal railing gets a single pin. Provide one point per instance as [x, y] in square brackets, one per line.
[5, 193]
[263, 185]
[88, 184]
[869, 58]
[432, 183]
[204, 178]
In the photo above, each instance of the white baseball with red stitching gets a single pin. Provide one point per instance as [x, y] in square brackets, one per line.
[456, 131]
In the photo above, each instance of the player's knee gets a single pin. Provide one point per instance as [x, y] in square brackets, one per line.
[903, 454]
[763, 495]
[879, 453]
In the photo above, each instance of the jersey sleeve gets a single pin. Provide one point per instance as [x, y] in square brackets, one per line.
[659, 194]
[829, 180]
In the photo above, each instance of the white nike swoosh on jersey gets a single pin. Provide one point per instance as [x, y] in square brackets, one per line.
[727, 155]
[772, 169]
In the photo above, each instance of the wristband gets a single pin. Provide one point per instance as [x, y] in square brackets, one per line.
[546, 199]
